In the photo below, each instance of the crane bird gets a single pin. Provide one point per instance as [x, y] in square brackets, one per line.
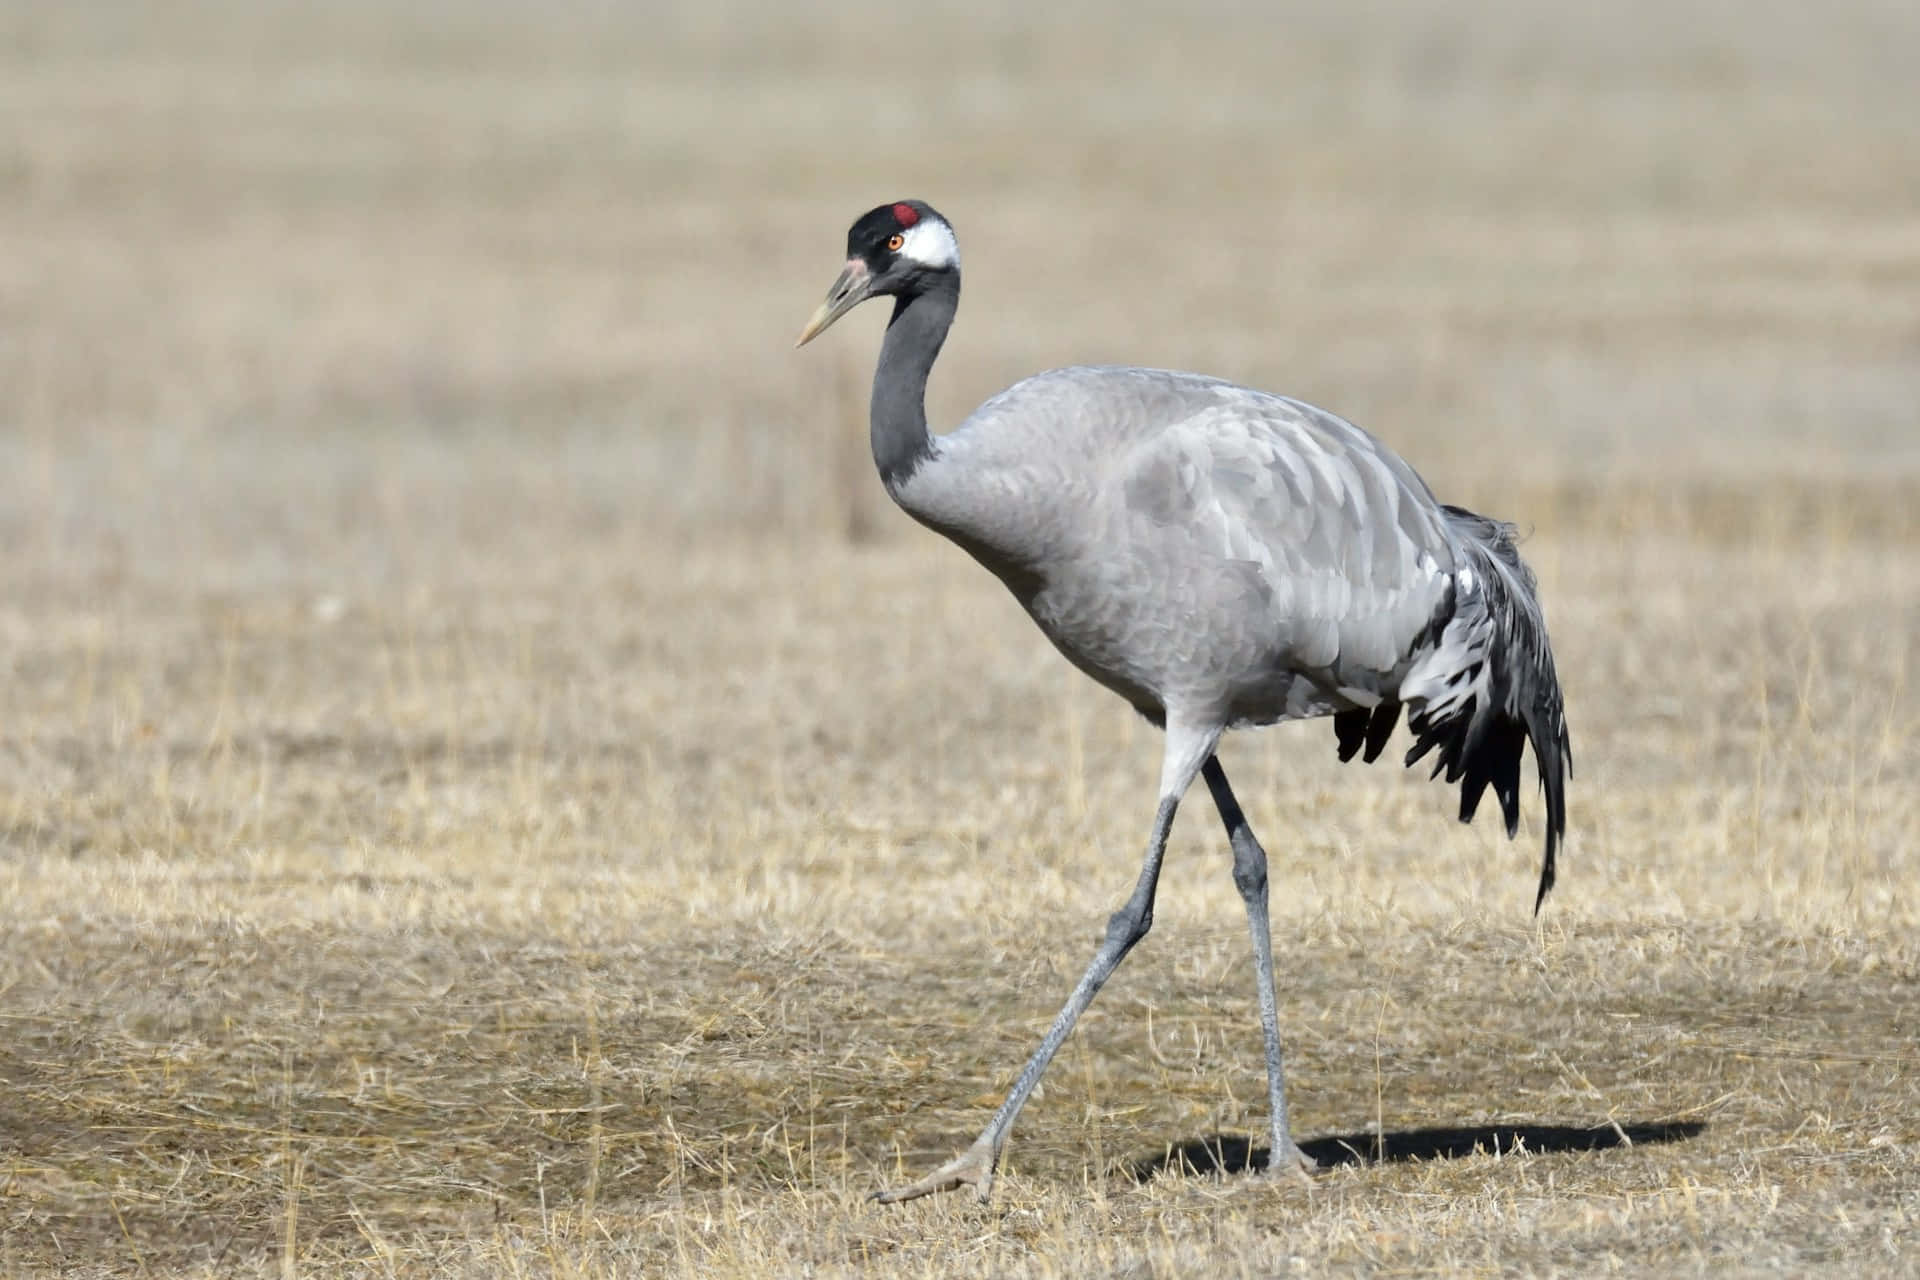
[1219, 557]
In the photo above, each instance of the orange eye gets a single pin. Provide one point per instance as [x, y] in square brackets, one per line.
[895, 240]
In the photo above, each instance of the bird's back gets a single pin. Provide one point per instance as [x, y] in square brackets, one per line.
[1188, 541]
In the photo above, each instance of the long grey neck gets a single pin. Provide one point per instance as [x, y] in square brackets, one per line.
[897, 422]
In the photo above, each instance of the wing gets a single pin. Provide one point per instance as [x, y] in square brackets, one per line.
[1350, 547]
[1186, 536]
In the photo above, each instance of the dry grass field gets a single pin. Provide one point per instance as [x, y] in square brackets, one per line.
[488, 787]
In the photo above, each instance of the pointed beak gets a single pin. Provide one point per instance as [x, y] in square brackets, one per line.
[847, 291]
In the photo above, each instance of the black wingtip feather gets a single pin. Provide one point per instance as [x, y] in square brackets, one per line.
[1491, 758]
[1380, 728]
[1350, 730]
[1363, 727]
[1554, 754]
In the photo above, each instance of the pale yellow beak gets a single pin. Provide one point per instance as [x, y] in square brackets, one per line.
[847, 292]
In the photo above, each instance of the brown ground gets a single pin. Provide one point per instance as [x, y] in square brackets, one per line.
[488, 787]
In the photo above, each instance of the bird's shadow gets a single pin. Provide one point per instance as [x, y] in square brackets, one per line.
[1223, 1154]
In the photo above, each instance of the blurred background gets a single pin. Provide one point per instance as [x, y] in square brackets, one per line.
[350, 283]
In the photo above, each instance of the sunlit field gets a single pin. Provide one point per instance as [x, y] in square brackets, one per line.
[490, 787]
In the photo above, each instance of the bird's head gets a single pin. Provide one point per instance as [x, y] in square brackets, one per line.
[897, 249]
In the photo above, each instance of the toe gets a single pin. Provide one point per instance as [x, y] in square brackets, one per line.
[973, 1168]
[1290, 1160]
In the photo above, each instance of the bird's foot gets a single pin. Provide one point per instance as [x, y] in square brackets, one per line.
[972, 1167]
[1289, 1161]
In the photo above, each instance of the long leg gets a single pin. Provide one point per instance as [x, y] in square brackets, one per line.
[1186, 747]
[1250, 877]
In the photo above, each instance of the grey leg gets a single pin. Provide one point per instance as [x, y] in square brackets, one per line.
[975, 1166]
[1250, 877]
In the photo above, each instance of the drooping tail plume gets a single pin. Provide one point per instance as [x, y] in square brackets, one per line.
[1483, 688]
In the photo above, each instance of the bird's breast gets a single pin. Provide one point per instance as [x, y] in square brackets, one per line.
[1157, 629]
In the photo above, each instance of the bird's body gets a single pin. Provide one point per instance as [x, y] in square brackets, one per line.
[1218, 557]
[1189, 542]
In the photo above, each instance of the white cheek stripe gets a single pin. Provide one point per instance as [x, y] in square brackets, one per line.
[931, 244]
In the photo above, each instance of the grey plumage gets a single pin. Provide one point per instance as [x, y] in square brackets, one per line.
[1219, 557]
